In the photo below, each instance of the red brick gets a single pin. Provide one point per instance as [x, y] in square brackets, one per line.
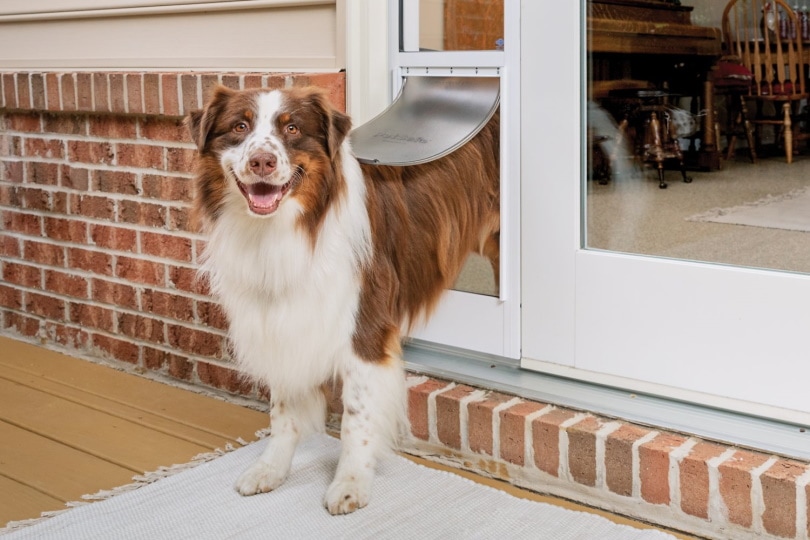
[66, 284]
[480, 416]
[546, 439]
[211, 314]
[134, 93]
[122, 182]
[66, 230]
[193, 341]
[68, 86]
[75, 178]
[10, 297]
[101, 89]
[11, 171]
[59, 202]
[171, 306]
[53, 93]
[168, 82]
[112, 127]
[165, 246]
[513, 431]
[164, 129]
[252, 81]
[67, 336]
[117, 238]
[90, 316]
[42, 173]
[117, 294]
[418, 407]
[448, 415]
[84, 91]
[619, 458]
[167, 188]
[38, 91]
[124, 351]
[44, 148]
[10, 248]
[654, 467]
[66, 124]
[180, 367]
[91, 152]
[151, 93]
[141, 328]
[22, 274]
[29, 224]
[229, 80]
[779, 494]
[116, 86]
[35, 199]
[224, 378]
[140, 155]
[694, 479]
[180, 159]
[141, 213]
[582, 450]
[179, 220]
[333, 83]
[22, 324]
[9, 91]
[23, 90]
[92, 206]
[188, 85]
[45, 306]
[185, 279]
[141, 271]
[23, 121]
[96, 262]
[735, 485]
[208, 82]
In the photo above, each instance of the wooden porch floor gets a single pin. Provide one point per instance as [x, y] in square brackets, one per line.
[70, 427]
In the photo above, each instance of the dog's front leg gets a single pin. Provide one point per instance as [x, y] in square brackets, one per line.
[289, 420]
[373, 409]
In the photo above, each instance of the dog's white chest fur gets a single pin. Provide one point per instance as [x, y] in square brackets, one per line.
[291, 307]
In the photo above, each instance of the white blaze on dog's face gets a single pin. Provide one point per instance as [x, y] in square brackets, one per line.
[262, 148]
[259, 163]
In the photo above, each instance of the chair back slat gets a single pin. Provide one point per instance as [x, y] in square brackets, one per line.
[753, 31]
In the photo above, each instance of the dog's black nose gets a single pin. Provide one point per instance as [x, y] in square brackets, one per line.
[263, 163]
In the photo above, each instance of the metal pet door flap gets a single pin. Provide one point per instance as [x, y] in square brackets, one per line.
[430, 118]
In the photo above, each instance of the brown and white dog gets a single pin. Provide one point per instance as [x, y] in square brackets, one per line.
[320, 263]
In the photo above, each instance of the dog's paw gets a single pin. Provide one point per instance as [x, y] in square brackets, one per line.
[347, 495]
[259, 478]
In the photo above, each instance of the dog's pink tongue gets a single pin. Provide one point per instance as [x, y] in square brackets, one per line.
[263, 197]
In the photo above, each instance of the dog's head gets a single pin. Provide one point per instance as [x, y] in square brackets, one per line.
[260, 148]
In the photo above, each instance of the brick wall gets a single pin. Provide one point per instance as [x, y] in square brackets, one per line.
[97, 253]
[706, 488]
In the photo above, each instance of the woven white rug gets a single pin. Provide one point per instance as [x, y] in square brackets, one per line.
[409, 501]
[789, 211]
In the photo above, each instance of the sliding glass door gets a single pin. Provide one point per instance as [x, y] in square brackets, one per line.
[629, 284]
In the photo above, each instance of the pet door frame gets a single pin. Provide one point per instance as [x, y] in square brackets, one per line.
[468, 321]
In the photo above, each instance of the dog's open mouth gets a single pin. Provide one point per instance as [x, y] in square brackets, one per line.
[263, 198]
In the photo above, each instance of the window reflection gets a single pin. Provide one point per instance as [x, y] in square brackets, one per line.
[658, 98]
[460, 25]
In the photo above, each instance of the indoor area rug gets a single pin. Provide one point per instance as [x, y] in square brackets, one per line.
[789, 211]
[408, 501]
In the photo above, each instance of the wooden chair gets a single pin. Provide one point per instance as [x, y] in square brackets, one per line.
[754, 31]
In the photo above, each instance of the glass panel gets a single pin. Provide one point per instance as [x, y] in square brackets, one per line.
[460, 25]
[672, 170]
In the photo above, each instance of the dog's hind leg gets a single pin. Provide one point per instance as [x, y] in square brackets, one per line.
[289, 420]
[373, 415]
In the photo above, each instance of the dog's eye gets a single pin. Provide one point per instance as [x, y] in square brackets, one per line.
[292, 129]
[240, 127]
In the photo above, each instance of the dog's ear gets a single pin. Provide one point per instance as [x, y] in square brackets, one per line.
[335, 124]
[200, 123]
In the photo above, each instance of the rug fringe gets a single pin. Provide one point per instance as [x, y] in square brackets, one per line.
[717, 212]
